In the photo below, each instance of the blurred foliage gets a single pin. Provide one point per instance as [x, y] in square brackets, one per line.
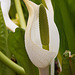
[68, 63]
[36, 1]
[64, 16]
[3, 46]
[17, 48]
[25, 11]
[64, 19]
[66, 69]
[12, 11]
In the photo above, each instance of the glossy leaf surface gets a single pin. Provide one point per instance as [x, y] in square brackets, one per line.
[17, 47]
[64, 18]
[12, 11]
[3, 46]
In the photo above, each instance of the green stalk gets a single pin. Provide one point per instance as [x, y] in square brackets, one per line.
[52, 67]
[18, 69]
[20, 13]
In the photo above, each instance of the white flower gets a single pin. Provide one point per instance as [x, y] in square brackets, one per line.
[5, 5]
[39, 56]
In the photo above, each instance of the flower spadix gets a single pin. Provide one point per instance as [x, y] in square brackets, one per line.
[5, 5]
[41, 36]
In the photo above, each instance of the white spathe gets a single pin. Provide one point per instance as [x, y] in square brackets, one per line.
[39, 56]
[5, 5]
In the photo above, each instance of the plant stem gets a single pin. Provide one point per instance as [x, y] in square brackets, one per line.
[18, 69]
[52, 67]
[44, 71]
[20, 13]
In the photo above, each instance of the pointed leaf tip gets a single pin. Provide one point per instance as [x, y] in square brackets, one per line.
[44, 3]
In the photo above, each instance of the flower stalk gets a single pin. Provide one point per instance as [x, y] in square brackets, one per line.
[18, 69]
[52, 67]
[44, 71]
[20, 14]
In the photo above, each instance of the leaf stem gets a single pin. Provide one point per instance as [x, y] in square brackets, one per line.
[52, 67]
[20, 13]
[18, 69]
[44, 71]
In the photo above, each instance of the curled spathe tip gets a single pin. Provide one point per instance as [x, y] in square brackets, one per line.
[5, 6]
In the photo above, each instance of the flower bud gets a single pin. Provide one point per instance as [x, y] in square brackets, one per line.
[39, 56]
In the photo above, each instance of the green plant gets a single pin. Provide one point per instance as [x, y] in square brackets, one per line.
[20, 50]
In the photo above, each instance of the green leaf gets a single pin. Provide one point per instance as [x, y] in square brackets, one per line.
[37, 1]
[12, 11]
[64, 16]
[17, 47]
[3, 46]
[25, 11]
[68, 25]
[43, 26]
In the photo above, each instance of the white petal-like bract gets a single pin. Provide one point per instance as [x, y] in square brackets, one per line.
[5, 5]
[39, 56]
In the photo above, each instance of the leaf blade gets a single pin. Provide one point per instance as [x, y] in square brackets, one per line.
[17, 47]
[3, 46]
